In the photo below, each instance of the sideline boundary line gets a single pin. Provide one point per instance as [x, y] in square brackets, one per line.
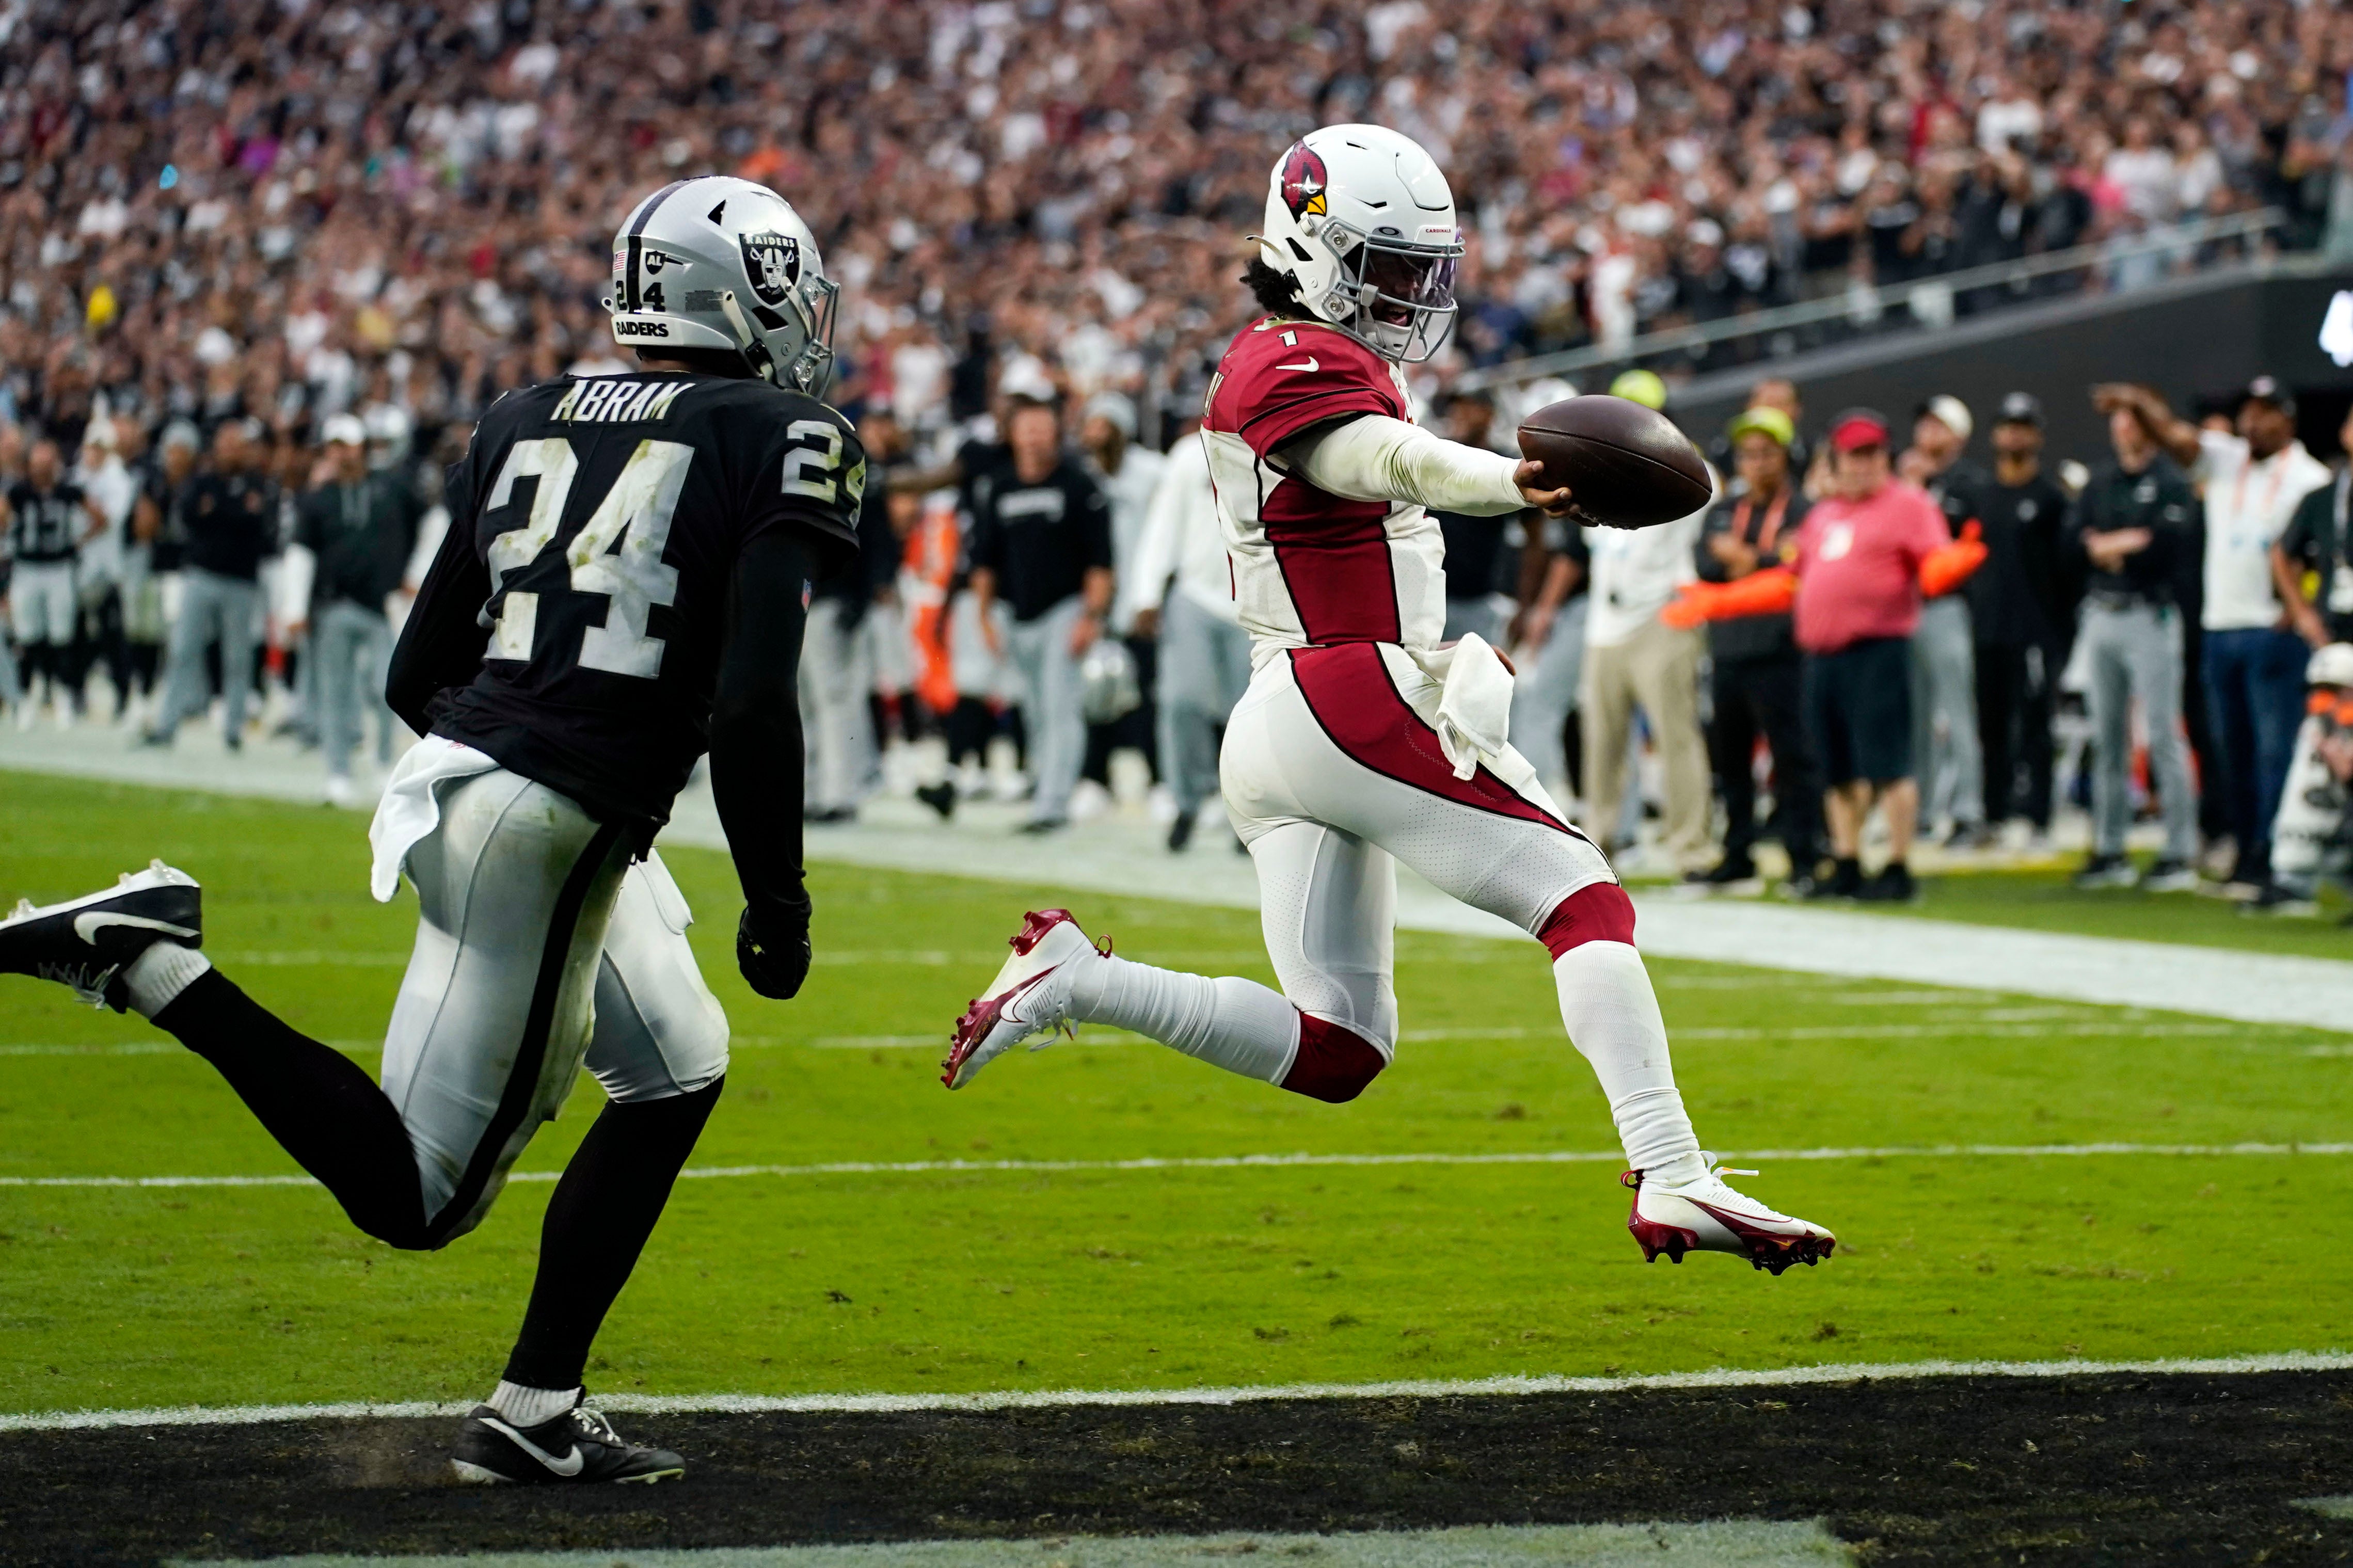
[1250, 1162]
[1116, 1398]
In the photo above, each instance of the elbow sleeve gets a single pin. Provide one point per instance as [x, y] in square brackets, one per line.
[1375, 458]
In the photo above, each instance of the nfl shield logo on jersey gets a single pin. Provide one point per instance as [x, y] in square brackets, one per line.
[773, 262]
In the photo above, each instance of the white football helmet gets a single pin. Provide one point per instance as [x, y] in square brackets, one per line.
[722, 263]
[1360, 219]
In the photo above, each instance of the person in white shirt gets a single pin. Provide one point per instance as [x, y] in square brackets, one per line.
[110, 487]
[1181, 591]
[2252, 480]
[1127, 473]
[1633, 658]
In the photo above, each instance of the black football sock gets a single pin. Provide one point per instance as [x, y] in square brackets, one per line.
[597, 1223]
[316, 1102]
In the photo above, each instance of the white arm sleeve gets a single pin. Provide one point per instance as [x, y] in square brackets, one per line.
[1375, 458]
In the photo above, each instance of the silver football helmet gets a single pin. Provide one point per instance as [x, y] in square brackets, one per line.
[722, 263]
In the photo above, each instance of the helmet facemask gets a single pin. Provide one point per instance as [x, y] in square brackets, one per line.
[1403, 294]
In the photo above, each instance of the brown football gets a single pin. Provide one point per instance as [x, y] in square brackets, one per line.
[1626, 466]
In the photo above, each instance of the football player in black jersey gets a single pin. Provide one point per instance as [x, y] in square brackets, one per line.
[620, 590]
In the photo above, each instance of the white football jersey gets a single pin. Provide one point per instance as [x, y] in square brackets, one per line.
[1311, 568]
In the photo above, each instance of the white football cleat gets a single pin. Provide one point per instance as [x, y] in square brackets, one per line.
[1708, 1216]
[1031, 996]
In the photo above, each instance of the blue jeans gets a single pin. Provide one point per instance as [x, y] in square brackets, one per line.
[2254, 696]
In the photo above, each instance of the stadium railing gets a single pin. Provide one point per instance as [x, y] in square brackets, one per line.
[2115, 266]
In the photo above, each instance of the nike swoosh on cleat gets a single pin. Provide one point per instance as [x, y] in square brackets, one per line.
[86, 927]
[567, 1465]
[1311, 366]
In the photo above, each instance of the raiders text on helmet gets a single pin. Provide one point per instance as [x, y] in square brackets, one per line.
[722, 263]
[1361, 219]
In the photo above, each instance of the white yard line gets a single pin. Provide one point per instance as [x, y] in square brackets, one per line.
[1076, 1398]
[1665, 1543]
[1259, 1161]
[1122, 858]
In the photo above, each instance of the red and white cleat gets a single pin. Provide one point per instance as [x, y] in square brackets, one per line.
[1031, 996]
[1708, 1216]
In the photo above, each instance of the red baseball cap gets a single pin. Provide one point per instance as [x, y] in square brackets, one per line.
[1857, 428]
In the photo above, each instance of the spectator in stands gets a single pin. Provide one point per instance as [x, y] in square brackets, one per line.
[231, 517]
[1183, 593]
[1755, 675]
[1127, 473]
[2317, 548]
[1859, 560]
[353, 535]
[1944, 672]
[2134, 523]
[2017, 600]
[1041, 538]
[49, 519]
[2255, 478]
[1634, 659]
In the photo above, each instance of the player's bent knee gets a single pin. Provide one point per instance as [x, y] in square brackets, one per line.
[1334, 1063]
[1598, 913]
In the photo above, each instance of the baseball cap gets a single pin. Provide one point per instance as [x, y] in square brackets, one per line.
[1950, 411]
[2021, 408]
[1769, 422]
[1643, 386]
[344, 429]
[2268, 389]
[1857, 428]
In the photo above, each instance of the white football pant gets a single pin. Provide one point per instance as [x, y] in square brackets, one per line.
[539, 946]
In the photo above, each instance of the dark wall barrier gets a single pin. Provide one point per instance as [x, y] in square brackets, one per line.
[2197, 339]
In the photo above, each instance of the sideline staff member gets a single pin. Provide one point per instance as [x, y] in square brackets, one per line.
[1859, 560]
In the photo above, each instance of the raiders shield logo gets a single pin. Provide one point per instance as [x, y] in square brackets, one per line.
[773, 262]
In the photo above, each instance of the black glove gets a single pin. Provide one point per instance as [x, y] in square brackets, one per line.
[773, 951]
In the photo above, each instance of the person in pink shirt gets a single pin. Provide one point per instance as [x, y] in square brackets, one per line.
[1859, 556]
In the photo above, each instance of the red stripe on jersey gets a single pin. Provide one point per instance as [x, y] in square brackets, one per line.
[1348, 690]
[1336, 562]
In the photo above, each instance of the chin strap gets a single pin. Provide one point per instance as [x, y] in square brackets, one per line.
[747, 342]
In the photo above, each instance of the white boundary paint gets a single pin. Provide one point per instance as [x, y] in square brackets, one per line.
[1120, 858]
[1123, 1398]
[1261, 1161]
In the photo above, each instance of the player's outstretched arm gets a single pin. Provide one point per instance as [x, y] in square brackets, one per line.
[1376, 458]
[442, 644]
[756, 758]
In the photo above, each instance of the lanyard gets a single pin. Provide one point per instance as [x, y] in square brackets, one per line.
[1772, 529]
[2278, 461]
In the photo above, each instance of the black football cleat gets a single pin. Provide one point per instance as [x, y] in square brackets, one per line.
[86, 943]
[576, 1449]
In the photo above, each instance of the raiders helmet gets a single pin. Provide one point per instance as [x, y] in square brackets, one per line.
[722, 263]
[1361, 220]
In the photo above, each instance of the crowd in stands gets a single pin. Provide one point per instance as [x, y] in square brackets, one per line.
[261, 265]
[287, 211]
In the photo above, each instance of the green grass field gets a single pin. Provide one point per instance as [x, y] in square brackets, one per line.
[977, 1279]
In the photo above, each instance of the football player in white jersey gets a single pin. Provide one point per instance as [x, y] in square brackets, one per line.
[1362, 740]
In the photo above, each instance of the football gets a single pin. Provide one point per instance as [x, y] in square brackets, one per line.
[1626, 466]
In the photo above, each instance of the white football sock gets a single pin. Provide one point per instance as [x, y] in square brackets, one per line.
[1613, 1018]
[1235, 1023]
[157, 976]
[530, 1406]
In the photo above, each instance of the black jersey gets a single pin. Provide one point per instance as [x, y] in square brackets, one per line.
[609, 512]
[45, 526]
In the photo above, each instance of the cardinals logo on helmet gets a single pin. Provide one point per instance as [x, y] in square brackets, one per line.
[773, 262]
[1303, 180]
